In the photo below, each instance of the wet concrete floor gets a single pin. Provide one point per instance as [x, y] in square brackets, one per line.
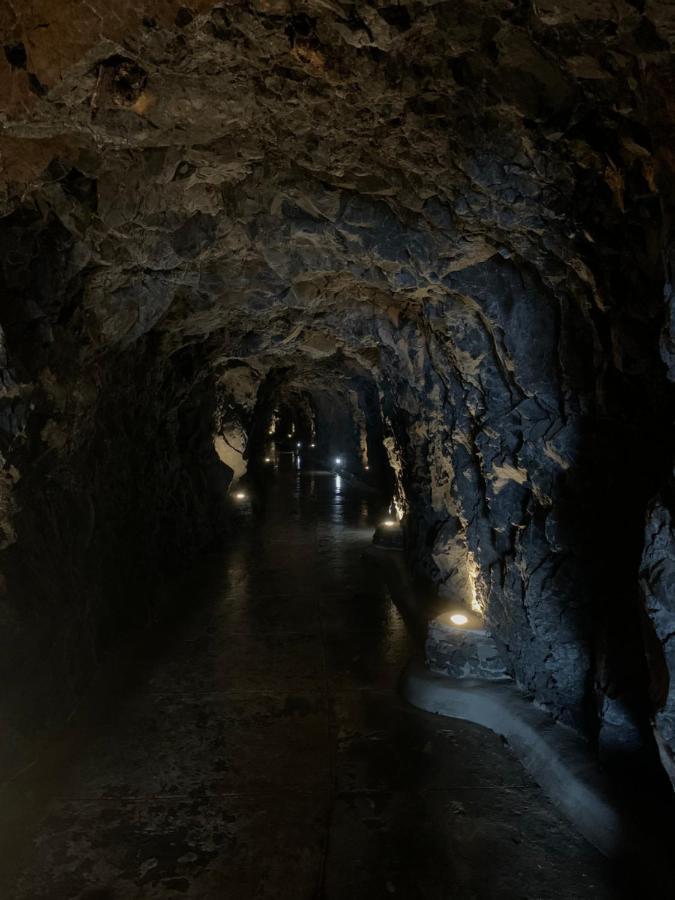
[263, 752]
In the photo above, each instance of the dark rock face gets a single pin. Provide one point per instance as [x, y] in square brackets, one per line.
[658, 585]
[98, 514]
[448, 225]
[462, 652]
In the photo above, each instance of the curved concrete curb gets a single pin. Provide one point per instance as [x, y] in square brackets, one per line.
[559, 760]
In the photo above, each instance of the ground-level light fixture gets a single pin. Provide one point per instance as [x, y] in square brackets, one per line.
[459, 619]
[389, 534]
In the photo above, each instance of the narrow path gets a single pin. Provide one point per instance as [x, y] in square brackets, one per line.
[265, 754]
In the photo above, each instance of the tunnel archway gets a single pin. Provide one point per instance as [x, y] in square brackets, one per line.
[433, 239]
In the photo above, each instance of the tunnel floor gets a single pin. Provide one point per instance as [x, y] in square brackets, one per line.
[260, 748]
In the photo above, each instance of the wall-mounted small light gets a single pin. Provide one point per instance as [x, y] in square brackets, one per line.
[268, 459]
[289, 434]
[312, 446]
[459, 619]
[240, 495]
[299, 444]
[338, 460]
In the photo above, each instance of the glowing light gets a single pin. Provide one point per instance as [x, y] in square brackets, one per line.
[459, 619]
[289, 434]
[299, 444]
[338, 460]
[312, 446]
[389, 523]
[240, 495]
[367, 468]
[475, 585]
[267, 459]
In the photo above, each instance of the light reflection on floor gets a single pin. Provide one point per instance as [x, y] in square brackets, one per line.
[263, 750]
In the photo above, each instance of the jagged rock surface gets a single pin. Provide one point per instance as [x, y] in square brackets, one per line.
[460, 210]
[462, 653]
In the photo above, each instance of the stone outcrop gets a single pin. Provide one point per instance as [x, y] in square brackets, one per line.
[454, 217]
[463, 652]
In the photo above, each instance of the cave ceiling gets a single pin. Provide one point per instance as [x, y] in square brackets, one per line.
[285, 177]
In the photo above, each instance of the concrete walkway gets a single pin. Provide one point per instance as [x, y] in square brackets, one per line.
[260, 749]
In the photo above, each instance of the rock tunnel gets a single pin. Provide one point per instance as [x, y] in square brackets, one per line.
[431, 239]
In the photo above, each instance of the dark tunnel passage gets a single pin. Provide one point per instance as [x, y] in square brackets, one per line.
[259, 747]
[336, 351]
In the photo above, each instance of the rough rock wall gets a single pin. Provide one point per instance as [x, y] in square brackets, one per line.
[114, 478]
[468, 203]
[237, 390]
[491, 429]
[657, 579]
[658, 586]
